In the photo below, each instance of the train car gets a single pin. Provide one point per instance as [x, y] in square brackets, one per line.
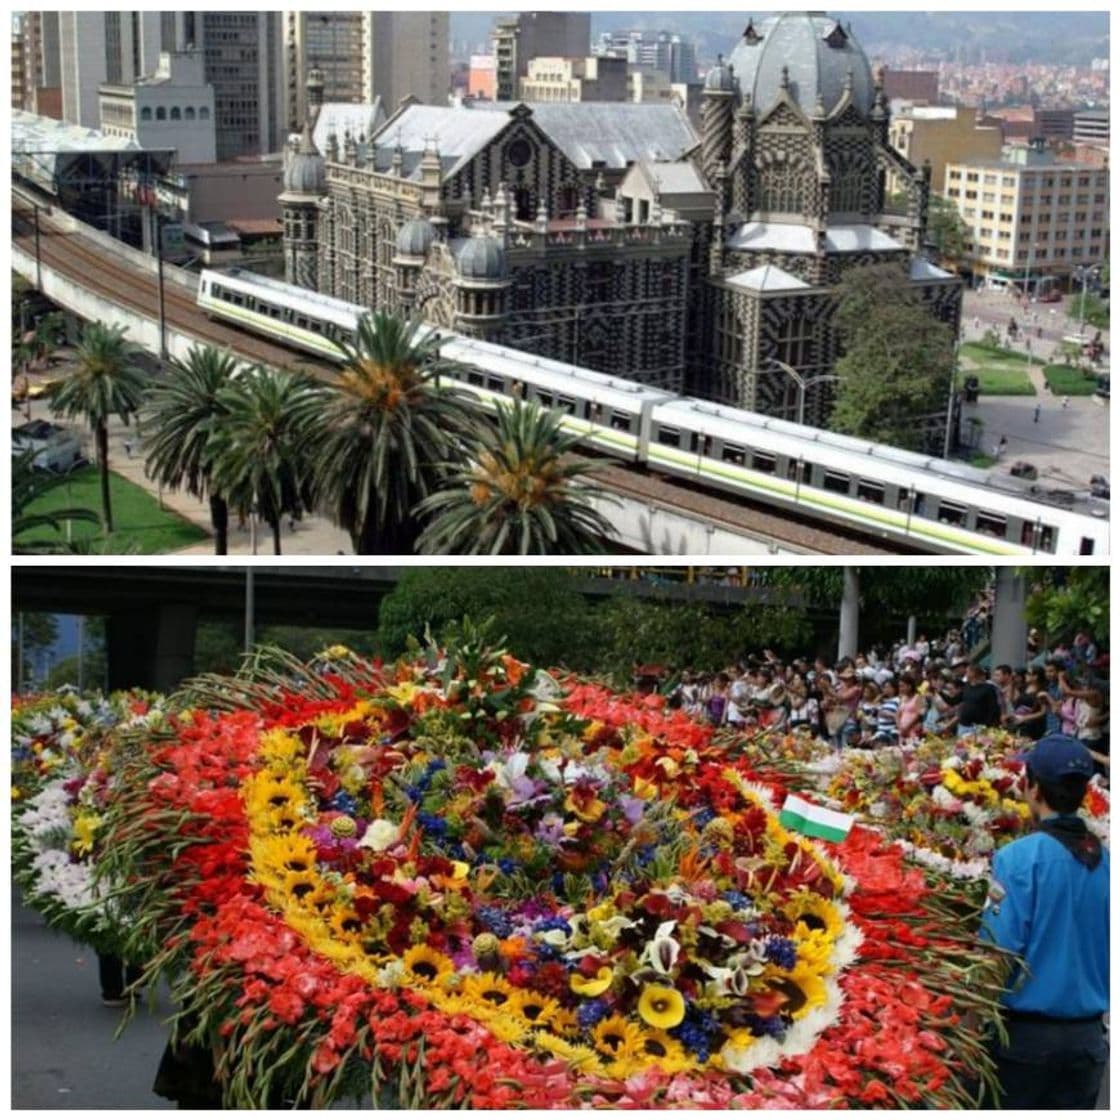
[898, 495]
[294, 316]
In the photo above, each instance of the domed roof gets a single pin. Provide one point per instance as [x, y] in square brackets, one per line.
[720, 78]
[415, 237]
[481, 257]
[818, 55]
[306, 172]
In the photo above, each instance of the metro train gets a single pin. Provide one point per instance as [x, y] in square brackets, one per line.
[897, 496]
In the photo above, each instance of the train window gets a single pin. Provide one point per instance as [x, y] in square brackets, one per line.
[544, 398]
[495, 384]
[1046, 539]
[733, 454]
[621, 421]
[236, 300]
[991, 523]
[837, 482]
[593, 411]
[764, 462]
[919, 501]
[949, 513]
[1086, 546]
[702, 445]
[566, 404]
[870, 491]
[301, 321]
[671, 437]
[475, 378]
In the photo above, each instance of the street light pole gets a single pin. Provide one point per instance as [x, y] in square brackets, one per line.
[158, 247]
[38, 255]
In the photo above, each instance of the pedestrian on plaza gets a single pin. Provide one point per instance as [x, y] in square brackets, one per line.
[1048, 903]
[128, 446]
[1065, 402]
[1037, 412]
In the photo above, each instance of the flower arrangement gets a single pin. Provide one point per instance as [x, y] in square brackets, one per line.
[458, 881]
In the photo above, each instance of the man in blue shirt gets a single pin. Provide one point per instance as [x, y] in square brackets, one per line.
[1048, 903]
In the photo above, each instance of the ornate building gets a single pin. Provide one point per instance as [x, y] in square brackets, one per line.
[613, 236]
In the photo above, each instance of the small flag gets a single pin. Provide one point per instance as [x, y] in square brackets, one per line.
[814, 820]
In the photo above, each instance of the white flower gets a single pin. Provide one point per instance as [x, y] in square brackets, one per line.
[380, 835]
[662, 952]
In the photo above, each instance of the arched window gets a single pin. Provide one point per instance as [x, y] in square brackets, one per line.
[146, 113]
[175, 114]
[188, 113]
[161, 114]
[204, 114]
[784, 185]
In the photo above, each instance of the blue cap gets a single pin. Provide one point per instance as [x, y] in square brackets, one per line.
[1059, 756]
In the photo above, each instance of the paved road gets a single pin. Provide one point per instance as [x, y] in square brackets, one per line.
[63, 1052]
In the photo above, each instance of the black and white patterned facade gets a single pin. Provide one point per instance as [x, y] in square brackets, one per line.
[613, 236]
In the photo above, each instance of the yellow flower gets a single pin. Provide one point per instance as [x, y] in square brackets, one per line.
[582, 986]
[564, 1021]
[425, 965]
[660, 1049]
[346, 924]
[616, 1037]
[803, 988]
[17, 793]
[537, 1010]
[661, 1007]
[813, 913]
[85, 828]
[644, 789]
[488, 989]
[580, 1059]
[588, 811]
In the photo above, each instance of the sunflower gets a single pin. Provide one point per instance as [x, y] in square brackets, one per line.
[346, 924]
[803, 989]
[424, 965]
[661, 1007]
[538, 1010]
[580, 1059]
[488, 989]
[660, 1049]
[616, 1038]
[564, 1021]
[814, 913]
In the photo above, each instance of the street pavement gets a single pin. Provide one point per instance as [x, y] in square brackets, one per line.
[1068, 444]
[63, 1052]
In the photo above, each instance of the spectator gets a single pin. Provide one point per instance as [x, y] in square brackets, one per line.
[886, 717]
[979, 703]
[911, 708]
[716, 704]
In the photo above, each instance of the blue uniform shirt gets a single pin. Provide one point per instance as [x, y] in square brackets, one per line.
[1053, 912]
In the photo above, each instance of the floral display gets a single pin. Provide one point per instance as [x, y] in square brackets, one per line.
[458, 881]
[62, 763]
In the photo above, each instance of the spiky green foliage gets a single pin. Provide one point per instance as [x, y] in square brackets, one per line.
[180, 418]
[28, 485]
[105, 382]
[380, 436]
[258, 449]
[522, 494]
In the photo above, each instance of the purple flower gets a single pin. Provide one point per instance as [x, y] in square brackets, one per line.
[550, 830]
[632, 808]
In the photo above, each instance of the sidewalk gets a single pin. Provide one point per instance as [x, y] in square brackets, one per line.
[312, 536]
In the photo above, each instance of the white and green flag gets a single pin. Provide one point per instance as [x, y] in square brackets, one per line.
[802, 816]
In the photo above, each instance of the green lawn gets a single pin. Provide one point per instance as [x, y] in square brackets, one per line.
[978, 352]
[1002, 381]
[140, 526]
[1067, 381]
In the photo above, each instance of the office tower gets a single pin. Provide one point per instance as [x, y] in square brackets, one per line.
[517, 41]
[332, 43]
[406, 55]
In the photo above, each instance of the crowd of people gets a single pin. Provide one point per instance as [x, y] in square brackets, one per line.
[882, 698]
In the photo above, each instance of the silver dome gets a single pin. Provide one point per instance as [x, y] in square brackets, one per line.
[306, 172]
[720, 78]
[818, 54]
[481, 257]
[415, 237]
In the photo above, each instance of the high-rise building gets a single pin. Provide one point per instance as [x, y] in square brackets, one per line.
[332, 43]
[1090, 126]
[406, 54]
[19, 78]
[245, 65]
[1030, 216]
[530, 35]
[41, 64]
[482, 78]
[575, 79]
[97, 47]
[667, 53]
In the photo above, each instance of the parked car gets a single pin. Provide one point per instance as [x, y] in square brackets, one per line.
[57, 448]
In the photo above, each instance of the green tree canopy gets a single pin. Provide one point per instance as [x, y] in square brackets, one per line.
[945, 228]
[898, 359]
[1065, 600]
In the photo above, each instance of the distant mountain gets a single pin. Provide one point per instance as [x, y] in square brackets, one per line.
[1057, 37]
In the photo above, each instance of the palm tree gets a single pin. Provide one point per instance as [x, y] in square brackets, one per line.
[521, 495]
[105, 382]
[258, 450]
[181, 417]
[382, 434]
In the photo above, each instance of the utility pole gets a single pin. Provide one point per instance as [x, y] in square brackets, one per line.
[250, 610]
[158, 249]
[38, 255]
[849, 614]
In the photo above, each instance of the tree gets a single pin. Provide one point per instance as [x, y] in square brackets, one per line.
[259, 457]
[105, 382]
[380, 438]
[945, 228]
[28, 486]
[898, 360]
[34, 633]
[180, 419]
[1065, 600]
[89, 668]
[540, 611]
[522, 493]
